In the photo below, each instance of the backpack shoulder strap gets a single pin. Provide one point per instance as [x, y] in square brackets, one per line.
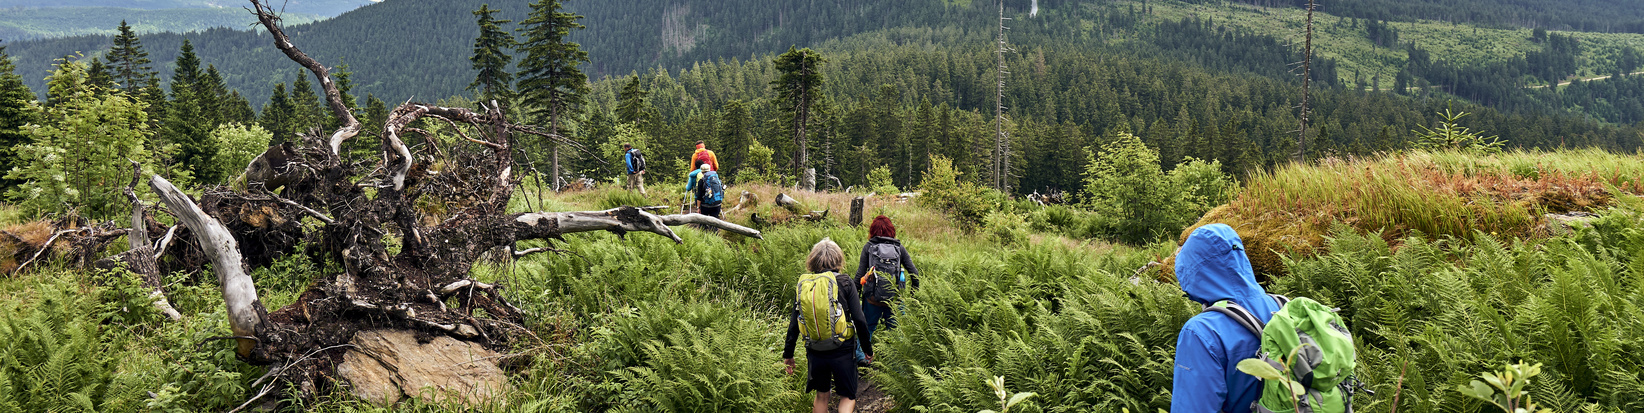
[1281, 299]
[1239, 315]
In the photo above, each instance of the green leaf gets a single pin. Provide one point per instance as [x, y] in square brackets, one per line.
[1296, 388]
[1260, 369]
[1018, 398]
[1478, 390]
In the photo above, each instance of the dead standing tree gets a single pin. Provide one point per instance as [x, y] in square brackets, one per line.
[356, 216]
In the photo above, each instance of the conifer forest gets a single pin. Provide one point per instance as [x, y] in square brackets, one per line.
[431, 205]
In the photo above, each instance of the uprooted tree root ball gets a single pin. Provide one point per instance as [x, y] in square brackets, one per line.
[406, 231]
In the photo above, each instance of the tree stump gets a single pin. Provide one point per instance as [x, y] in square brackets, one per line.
[856, 211]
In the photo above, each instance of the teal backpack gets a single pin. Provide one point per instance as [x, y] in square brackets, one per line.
[1323, 361]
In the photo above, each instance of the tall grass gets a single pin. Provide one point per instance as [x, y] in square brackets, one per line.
[1444, 193]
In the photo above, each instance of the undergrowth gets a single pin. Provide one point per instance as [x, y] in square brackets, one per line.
[644, 324]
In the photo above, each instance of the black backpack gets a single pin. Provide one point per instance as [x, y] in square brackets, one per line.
[639, 159]
[885, 275]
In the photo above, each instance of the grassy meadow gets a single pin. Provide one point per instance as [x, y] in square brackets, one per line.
[1444, 291]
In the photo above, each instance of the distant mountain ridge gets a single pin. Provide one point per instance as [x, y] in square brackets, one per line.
[29, 23]
[324, 8]
[419, 48]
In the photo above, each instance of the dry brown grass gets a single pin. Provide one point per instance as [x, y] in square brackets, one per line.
[1438, 194]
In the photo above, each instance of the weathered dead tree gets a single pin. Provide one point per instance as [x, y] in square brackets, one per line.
[443, 206]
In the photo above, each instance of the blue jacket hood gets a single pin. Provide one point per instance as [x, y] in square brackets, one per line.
[1211, 266]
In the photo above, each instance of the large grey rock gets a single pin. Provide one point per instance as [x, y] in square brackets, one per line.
[1562, 224]
[389, 365]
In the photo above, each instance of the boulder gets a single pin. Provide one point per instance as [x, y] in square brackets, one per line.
[1565, 223]
[389, 365]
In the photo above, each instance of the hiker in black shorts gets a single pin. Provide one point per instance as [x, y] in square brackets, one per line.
[830, 359]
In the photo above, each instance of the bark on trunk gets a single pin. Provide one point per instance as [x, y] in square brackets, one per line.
[245, 311]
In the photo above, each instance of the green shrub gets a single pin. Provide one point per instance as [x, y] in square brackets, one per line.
[879, 180]
[1141, 203]
[105, 349]
[57, 355]
[961, 200]
[1006, 228]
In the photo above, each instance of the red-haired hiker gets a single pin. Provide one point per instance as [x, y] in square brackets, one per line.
[891, 269]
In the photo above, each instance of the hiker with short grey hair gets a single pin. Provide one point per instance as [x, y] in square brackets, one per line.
[827, 313]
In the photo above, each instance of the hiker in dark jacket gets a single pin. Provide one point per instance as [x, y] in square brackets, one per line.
[832, 370]
[1211, 266]
[881, 232]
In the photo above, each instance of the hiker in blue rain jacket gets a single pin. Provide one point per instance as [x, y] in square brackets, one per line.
[1210, 267]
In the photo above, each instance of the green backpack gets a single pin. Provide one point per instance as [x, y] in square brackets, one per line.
[1323, 364]
[822, 317]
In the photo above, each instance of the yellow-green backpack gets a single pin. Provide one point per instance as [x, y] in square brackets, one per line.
[822, 317]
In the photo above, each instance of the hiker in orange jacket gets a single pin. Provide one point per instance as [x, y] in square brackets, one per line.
[703, 155]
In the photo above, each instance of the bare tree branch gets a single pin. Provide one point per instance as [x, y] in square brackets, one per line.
[245, 312]
[333, 97]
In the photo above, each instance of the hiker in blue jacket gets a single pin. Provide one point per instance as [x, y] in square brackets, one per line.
[635, 163]
[1210, 267]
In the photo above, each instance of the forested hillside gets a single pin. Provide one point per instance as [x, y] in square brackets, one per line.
[1369, 54]
[1579, 15]
[326, 8]
[1207, 88]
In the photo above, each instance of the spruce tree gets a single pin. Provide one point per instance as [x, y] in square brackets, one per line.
[491, 57]
[236, 109]
[185, 127]
[798, 89]
[921, 144]
[632, 106]
[345, 83]
[186, 123]
[214, 99]
[550, 80]
[365, 145]
[310, 112]
[14, 113]
[97, 76]
[735, 136]
[129, 64]
[279, 115]
[187, 73]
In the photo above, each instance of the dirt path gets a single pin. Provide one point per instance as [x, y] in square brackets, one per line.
[1584, 80]
[869, 399]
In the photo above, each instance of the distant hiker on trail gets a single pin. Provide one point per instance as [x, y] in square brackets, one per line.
[1210, 267]
[829, 314]
[883, 270]
[709, 191]
[635, 161]
[703, 155]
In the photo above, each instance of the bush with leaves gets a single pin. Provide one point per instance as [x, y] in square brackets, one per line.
[879, 181]
[1139, 201]
[761, 167]
[237, 145]
[963, 201]
[77, 156]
